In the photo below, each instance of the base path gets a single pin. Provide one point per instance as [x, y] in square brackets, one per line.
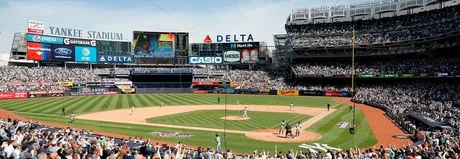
[384, 129]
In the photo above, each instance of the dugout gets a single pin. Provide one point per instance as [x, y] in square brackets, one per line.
[426, 123]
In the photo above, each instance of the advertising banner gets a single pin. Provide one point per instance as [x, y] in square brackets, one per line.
[13, 95]
[65, 84]
[85, 54]
[14, 84]
[109, 93]
[38, 51]
[204, 60]
[47, 92]
[231, 57]
[44, 39]
[107, 84]
[82, 42]
[310, 93]
[160, 44]
[62, 53]
[115, 59]
[46, 95]
[332, 93]
[128, 90]
[93, 84]
[78, 84]
[288, 92]
[113, 48]
[36, 27]
[201, 83]
[200, 91]
[229, 90]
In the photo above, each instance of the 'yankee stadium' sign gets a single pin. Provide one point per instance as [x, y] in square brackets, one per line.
[69, 32]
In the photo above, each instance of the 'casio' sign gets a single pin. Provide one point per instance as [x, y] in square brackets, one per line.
[205, 60]
[232, 56]
[63, 51]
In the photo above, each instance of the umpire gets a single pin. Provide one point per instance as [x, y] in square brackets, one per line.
[289, 130]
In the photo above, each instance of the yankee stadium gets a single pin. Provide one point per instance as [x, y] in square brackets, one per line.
[275, 79]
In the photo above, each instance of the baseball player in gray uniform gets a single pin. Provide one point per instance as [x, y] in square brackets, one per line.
[283, 124]
[72, 117]
[297, 129]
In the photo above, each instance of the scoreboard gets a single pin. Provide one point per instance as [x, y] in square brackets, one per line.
[113, 48]
[207, 49]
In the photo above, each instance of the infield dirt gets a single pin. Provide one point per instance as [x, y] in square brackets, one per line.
[141, 114]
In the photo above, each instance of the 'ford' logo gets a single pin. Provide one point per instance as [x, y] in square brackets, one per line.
[63, 51]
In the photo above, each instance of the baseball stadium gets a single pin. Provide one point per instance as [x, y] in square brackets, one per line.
[374, 79]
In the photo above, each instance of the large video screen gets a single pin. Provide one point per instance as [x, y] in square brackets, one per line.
[160, 44]
[113, 48]
[207, 49]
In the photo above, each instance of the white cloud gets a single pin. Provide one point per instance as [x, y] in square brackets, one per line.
[263, 19]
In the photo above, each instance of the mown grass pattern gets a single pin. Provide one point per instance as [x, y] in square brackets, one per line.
[48, 110]
[212, 119]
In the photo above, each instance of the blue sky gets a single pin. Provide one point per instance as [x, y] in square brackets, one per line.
[263, 17]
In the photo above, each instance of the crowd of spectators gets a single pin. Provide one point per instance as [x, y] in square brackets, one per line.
[376, 31]
[432, 65]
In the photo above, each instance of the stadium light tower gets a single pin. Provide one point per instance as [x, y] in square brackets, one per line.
[352, 129]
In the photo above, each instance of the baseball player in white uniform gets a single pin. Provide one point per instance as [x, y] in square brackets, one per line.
[161, 104]
[282, 125]
[132, 111]
[297, 129]
[238, 102]
[291, 107]
[72, 117]
[245, 112]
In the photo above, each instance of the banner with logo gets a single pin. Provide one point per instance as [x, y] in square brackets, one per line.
[229, 90]
[201, 91]
[81, 42]
[109, 93]
[332, 93]
[65, 84]
[44, 39]
[78, 84]
[85, 54]
[93, 84]
[288, 92]
[310, 93]
[231, 57]
[204, 60]
[36, 27]
[13, 95]
[205, 83]
[38, 51]
[47, 92]
[107, 84]
[115, 59]
[128, 90]
[62, 53]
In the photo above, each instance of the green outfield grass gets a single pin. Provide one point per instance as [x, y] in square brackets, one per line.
[212, 119]
[48, 110]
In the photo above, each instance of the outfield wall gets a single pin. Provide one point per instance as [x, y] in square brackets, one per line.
[164, 90]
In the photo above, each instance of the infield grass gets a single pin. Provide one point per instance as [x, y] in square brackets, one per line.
[212, 119]
[48, 110]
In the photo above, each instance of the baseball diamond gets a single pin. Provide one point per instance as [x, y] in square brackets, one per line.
[200, 116]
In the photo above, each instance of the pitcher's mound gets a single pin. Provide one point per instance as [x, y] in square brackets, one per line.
[271, 135]
[236, 118]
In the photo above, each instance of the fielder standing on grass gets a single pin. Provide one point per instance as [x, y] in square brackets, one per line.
[238, 102]
[245, 112]
[217, 143]
[291, 107]
[161, 104]
[63, 112]
[72, 117]
[218, 100]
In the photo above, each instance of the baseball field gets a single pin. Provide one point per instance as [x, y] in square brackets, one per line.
[200, 117]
